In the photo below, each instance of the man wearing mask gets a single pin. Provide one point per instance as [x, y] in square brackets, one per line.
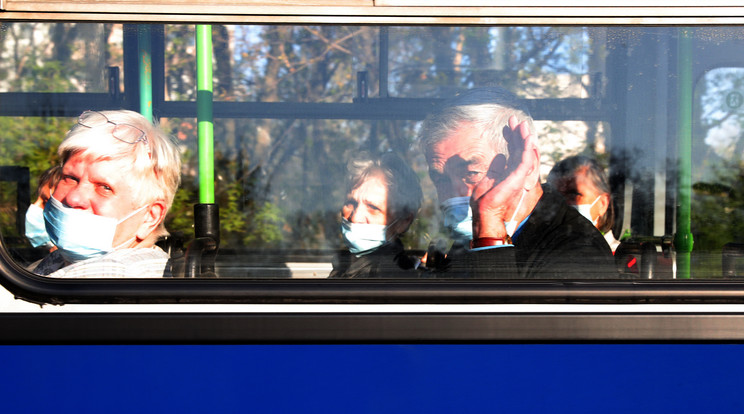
[119, 176]
[481, 149]
[382, 201]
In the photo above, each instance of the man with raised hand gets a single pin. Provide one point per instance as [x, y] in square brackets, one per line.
[484, 161]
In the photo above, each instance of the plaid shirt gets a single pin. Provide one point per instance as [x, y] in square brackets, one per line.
[123, 263]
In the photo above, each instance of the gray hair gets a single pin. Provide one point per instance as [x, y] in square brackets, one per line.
[156, 164]
[488, 108]
[404, 190]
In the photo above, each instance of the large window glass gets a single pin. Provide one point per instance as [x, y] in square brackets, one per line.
[534, 62]
[58, 57]
[321, 63]
[295, 105]
[717, 155]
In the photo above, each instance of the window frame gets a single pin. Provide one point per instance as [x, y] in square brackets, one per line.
[46, 290]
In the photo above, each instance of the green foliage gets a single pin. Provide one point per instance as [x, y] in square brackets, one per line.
[27, 142]
[718, 208]
[265, 227]
[51, 77]
[232, 220]
[181, 215]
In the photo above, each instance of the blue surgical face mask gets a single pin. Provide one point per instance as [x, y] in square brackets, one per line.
[363, 238]
[458, 218]
[79, 234]
[35, 229]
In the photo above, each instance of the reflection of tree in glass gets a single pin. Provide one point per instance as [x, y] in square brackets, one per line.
[718, 189]
[57, 57]
[278, 178]
[717, 215]
[722, 113]
[529, 61]
[292, 167]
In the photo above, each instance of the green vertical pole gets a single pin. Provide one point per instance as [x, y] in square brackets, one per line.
[205, 124]
[144, 43]
[683, 238]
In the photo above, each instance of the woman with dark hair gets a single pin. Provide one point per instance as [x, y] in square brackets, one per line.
[383, 198]
[584, 185]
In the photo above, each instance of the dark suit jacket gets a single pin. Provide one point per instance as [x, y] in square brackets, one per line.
[389, 261]
[554, 242]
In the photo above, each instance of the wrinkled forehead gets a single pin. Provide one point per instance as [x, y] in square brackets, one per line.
[97, 142]
[372, 183]
[90, 156]
[372, 173]
[120, 169]
[466, 142]
[372, 191]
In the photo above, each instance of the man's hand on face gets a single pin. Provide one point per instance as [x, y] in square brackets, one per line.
[496, 197]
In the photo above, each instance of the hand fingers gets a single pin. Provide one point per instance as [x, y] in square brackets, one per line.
[494, 201]
[496, 173]
[506, 181]
[524, 130]
[499, 187]
[483, 187]
[526, 162]
[518, 129]
[495, 193]
[497, 169]
[530, 159]
[517, 137]
[513, 122]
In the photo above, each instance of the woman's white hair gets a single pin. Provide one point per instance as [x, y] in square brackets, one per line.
[156, 162]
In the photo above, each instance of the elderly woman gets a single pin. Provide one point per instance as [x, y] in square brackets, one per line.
[119, 176]
[584, 185]
[383, 198]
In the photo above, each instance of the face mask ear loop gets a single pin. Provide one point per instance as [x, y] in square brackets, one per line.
[128, 216]
[519, 204]
[589, 210]
[387, 227]
[125, 243]
[512, 223]
[595, 201]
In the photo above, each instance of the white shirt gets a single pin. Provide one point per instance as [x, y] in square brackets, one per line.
[611, 241]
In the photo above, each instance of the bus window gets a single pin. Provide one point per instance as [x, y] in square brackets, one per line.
[40, 57]
[717, 159]
[552, 61]
[293, 105]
